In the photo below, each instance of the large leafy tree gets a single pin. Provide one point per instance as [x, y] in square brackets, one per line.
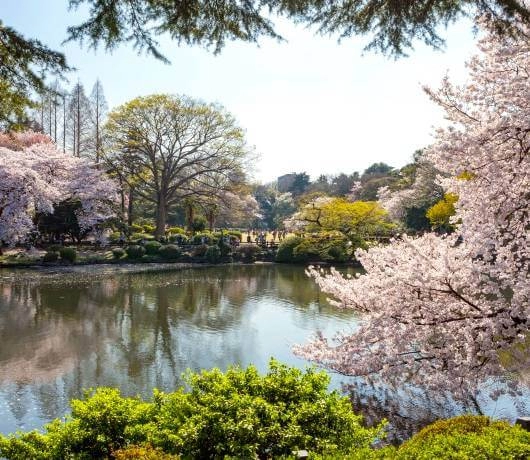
[175, 148]
[441, 310]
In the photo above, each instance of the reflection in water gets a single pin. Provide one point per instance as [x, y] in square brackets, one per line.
[62, 334]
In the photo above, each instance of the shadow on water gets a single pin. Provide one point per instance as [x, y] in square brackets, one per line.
[63, 333]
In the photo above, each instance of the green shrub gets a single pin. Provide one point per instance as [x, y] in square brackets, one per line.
[118, 253]
[236, 233]
[50, 256]
[247, 252]
[169, 251]
[55, 248]
[286, 248]
[307, 250]
[237, 414]
[148, 228]
[179, 238]
[152, 247]
[141, 236]
[176, 231]
[145, 452]
[198, 224]
[68, 254]
[467, 436]
[213, 254]
[135, 251]
[137, 228]
[114, 237]
[207, 237]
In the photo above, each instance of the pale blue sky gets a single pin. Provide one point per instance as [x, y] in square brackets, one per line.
[310, 104]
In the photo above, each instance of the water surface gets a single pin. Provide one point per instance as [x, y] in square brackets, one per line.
[64, 332]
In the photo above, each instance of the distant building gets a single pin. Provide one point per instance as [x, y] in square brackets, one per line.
[285, 182]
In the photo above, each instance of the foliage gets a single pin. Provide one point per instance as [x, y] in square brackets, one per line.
[286, 248]
[238, 414]
[50, 256]
[141, 236]
[169, 251]
[38, 177]
[247, 252]
[176, 231]
[199, 224]
[467, 437]
[135, 251]
[213, 254]
[440, 213]
[118, 253]
[358, 219]
[68, 254]
[152, 247]
[178, 145]
[145, 452]
[23, 64]
[199, 250]
[437, 309]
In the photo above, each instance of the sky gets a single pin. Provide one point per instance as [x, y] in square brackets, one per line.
[309, 104]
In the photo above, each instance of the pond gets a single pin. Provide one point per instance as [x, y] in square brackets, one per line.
[64, 332]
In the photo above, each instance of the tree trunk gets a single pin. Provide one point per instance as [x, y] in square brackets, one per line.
[161, 217]
[130, 207]
[190, 215]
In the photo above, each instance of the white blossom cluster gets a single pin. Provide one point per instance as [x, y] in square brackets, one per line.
[451, 312]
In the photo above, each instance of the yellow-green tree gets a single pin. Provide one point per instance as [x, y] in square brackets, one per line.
[353, 218]
[440, 214]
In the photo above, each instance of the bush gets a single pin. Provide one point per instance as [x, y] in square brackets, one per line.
[248, 252]
[55, 248]
[169, 251]
[148, 228]
[114, 237]
[118, 253]
[135, 251]
[207, 237]
[145, 452]
[176, 231]
[286, 248]
[198, 224]
[213, 254]
[137, 228]
[307, 250]
[50, 256]
[68, 254]
[467, 436]
[179, 238]
[237, 414]
[152, 247]
[141, 236]
[236, 233]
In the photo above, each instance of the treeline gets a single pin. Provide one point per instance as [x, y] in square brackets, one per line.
[72, 118]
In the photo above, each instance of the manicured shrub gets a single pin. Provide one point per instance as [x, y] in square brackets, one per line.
[247, 252]
[307, 250]
[236, 233]
[179, 238]
[50, 256]
[148, 228]
[203, 238]
[286, 248]
[135, 251]
[137, 228]
[467, 436]
[68, 254]
[118, 253]
[141, 236]
[152, 247]
[176, 231]
[213, 254]
[169, 251]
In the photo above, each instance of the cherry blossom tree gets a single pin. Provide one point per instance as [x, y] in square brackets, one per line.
[452, 312]
[35, 176]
